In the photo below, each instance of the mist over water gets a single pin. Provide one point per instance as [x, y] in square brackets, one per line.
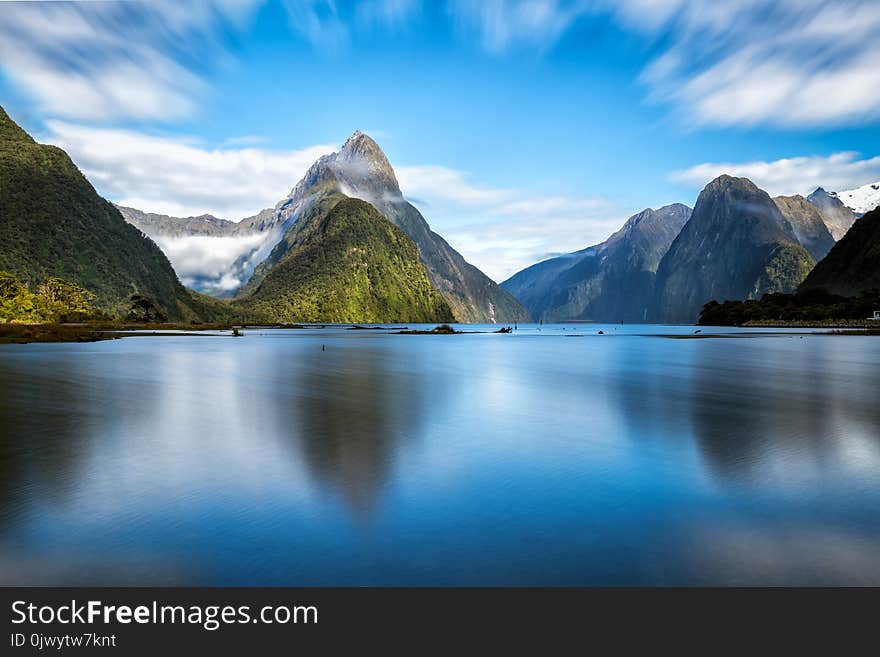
[531, 458]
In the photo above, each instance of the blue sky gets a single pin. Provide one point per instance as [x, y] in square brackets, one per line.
[521, 129]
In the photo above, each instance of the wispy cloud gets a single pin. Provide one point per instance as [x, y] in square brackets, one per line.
[738, 62]
[329, 26]
[503, 24]
[101, 61]
[177, 176]
[503, 230]
[795, 175]
[779, 62]
[437, 184]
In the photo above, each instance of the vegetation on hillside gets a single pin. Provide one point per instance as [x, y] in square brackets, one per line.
[54, 224]
[351, 265]
[55, 300]
[806, 306]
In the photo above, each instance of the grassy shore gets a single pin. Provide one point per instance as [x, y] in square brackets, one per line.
[14, 333]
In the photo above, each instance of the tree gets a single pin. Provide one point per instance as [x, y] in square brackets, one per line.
[144, 310]
[17, 303]
[63, 300]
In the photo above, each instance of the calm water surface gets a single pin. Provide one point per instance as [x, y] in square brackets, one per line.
[531, 458]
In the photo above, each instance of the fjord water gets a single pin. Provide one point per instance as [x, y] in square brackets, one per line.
[529, 458]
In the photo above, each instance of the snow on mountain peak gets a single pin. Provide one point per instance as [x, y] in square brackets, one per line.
[861, 199]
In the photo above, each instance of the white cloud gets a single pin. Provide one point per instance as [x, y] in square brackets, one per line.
[114, 60]
[737, 62]
[503, 230]
[433, 184]
[521, 233]
[177, 176]
[796, 175]
[206, 261]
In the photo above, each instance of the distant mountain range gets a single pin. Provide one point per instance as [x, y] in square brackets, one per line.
[838, 218]
[861, 199]
[664, 264]
[614, 279]
[807, 224]
[346, 246]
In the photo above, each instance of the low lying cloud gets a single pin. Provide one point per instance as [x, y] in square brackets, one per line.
[796, 175]
[213, 264]
[177, 176]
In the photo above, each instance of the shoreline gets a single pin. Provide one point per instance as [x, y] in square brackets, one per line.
[13, 333]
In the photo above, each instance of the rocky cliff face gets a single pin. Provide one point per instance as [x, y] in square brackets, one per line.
[736, 245]
[837, 217]
[361, 170]
[807, 224]
[853, 265]
[152, 224]
[609, 282]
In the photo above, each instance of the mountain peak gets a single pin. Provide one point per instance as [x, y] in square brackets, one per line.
[725, 181]
[364, 169]
[361, 144]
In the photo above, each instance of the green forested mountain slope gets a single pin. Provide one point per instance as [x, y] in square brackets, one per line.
[348, 264]
[53, 223]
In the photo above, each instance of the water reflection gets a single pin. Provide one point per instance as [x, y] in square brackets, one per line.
[467, 459]
[790, 415]
[354, 407]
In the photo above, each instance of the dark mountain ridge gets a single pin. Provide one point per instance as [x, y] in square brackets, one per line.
[736, 245]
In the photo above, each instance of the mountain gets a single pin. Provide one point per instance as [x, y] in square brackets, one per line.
[53, 223]
[609, 282]
[736, 245]
[361, 170]
[861, 199]
[837, 217]
[162, 224]
[350, 264]
[807, 223]
[853, 265]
